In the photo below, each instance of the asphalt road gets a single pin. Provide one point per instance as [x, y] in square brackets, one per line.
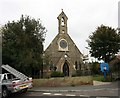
[58, 95]
[101, 91]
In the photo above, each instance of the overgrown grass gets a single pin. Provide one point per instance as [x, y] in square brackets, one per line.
[102, 79]
[63, 81]
[98, 78]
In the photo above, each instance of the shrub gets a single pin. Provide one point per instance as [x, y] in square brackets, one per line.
[95, 68]
[77, 73]
[101, 78]
[57, 74]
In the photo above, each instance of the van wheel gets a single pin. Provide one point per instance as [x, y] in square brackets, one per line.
[5, 92]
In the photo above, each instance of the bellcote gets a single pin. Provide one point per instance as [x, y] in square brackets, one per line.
[62, 23]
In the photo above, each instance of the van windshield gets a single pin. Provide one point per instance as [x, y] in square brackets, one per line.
[10, 76]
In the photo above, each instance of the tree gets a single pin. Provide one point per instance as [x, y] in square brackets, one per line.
[95, 68]
[104, 43]
[22, 45]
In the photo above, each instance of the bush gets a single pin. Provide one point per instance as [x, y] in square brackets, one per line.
[77, 73]
[95, 68]
[57, 74]
[102, 79]
[81, 73]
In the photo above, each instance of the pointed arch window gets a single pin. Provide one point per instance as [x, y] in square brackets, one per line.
[76, 65]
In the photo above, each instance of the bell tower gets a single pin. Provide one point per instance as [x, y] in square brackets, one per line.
[62, 22]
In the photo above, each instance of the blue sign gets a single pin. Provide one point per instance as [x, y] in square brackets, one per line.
[104, 67]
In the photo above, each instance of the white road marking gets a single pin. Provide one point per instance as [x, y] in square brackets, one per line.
[46, 93]
[57, 94]
[84, 95]
[70, 95]
[102, 97]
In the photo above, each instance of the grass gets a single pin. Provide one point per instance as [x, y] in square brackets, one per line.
[69, 81]
[101, 78]
[98, 78]
[63, 81]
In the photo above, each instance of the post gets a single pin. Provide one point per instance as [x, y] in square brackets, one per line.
[105, 75]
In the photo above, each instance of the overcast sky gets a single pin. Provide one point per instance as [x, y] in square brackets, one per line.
[84, 16]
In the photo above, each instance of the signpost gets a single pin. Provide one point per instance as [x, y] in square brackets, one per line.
[104, 68]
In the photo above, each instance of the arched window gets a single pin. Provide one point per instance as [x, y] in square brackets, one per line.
[63, 31]
[62, 21]
[76, 65]
[79, 65]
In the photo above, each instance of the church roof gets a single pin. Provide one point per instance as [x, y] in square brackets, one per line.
[62, 14]
[57, 37]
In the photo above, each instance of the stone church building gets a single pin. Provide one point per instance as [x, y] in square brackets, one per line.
[62, 54]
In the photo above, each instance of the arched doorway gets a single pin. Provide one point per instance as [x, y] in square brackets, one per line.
[66, 69]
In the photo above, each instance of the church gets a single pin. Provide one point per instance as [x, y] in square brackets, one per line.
[62, 54]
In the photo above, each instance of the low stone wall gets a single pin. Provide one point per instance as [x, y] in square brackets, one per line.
[65, 81]
[95, 83]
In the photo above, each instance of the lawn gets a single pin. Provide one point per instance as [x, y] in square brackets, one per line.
[64, 81]
[102, 79]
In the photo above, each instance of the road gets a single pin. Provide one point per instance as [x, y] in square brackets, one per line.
[59, 94]
[101, 91]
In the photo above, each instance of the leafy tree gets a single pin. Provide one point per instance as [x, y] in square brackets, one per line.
[22, 45]
[95, 68]
[47, 61]
[104, 43]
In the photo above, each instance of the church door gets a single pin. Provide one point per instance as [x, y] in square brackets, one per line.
[66, 69]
